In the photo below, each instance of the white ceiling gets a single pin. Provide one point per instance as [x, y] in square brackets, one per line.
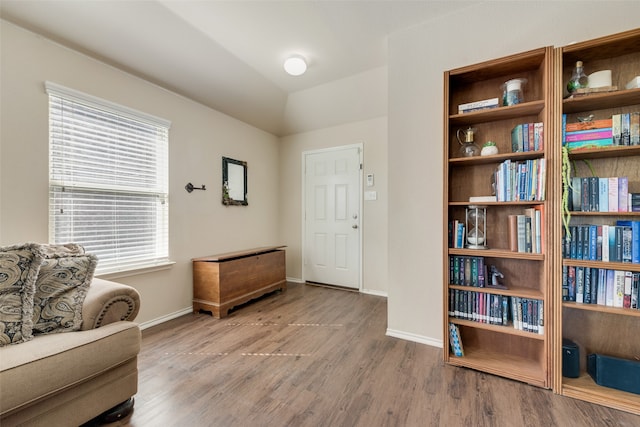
[228, 54]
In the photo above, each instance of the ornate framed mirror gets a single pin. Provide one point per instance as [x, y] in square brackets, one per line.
[234, 182]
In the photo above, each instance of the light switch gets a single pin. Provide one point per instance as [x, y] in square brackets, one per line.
[371, 195]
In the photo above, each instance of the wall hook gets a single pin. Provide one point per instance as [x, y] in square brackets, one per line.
[189, 187]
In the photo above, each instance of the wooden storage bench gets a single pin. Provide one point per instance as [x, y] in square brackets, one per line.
[221, 282]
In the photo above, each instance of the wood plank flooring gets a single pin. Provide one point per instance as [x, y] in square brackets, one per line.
[313, 356]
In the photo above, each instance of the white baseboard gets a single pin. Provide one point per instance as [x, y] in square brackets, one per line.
[374, 292]
[294, 280]
[415, 338]
[166, 318]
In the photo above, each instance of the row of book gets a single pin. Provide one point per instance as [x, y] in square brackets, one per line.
[612, 288]
[520, 180]
[525, 231]
[467, 271]
[524, 314]
[598, 194]
[620, 129]
[608, 243]
[527, 137]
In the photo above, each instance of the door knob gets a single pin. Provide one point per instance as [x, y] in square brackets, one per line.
[354, 226]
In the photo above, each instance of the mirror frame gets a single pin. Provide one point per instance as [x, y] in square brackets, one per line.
[226, 199]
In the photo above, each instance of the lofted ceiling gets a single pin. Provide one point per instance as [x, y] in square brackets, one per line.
[228, 55]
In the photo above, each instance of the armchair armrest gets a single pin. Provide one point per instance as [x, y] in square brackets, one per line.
[108, 302]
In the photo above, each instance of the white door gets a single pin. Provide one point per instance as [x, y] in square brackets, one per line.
[332, 216]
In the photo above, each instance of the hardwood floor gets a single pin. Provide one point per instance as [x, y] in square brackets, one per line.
[314, 356]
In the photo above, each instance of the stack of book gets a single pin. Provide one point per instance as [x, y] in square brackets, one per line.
[612, 288]
[478, 105]
[620, 129]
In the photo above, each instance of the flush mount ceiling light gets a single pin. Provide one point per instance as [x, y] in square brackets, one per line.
[295, 65]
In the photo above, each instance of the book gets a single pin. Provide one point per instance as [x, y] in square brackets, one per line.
[594, 194]
[591, 143]
[635, 242]
[513, 232]
[602, 287]
[594, 124]
[482, 199]
[580, 284]
[571, 283]
[613, 194]
[521, 227]
[455, 340]
[635, 291]
[605, 243]
[576, 192]
[628, 280]
[634, 128]
[478, 105]
[625, 129]
[610, 288]
[603, 194]
[586, 135]
[623, 191]
[539, 241]
[618, 289]
[616, 128]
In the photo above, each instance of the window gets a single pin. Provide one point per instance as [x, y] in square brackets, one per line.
[108, 180]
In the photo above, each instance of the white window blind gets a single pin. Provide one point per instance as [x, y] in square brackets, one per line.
[108, 180]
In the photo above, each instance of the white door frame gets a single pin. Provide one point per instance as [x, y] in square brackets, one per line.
[360, 147]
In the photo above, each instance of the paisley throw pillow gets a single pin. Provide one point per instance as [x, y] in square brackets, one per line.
[60, 290]
[19, 266]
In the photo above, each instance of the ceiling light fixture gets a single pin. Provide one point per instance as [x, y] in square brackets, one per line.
[295, 65]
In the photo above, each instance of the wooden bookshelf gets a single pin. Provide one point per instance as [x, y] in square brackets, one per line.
[598, 329]
[499, 349]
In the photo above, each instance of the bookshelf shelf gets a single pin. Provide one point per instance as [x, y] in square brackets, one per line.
[497, 363]
[602, 309]
[625, 266]
[497, 253]
[597, 101]
[525, 203]
[611, 330]
[604, 152]
[496, 114]
[585, 388]
[496, 158]
[509, 329]
[515, 292]
[629, 214]
[497, 349]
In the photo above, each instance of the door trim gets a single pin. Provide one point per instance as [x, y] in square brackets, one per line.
[360, 147]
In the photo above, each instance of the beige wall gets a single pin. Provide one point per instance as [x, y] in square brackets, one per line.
[418, 58]
[372, 134]
[199, 137]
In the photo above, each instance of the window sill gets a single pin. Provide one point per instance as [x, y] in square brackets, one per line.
[136, 271]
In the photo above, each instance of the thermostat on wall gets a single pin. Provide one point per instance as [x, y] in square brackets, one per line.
[369, 180]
